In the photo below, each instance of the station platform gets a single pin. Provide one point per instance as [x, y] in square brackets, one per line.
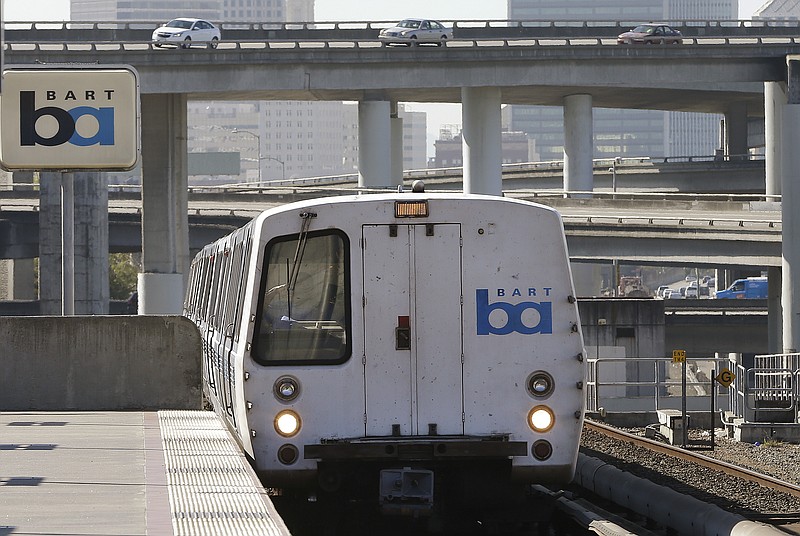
[171, 472]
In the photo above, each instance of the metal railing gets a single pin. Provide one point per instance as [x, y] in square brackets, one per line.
[645, 384]
[347, 44]
[769, 391]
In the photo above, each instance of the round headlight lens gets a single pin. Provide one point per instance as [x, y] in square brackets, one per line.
[287, 423]
[286, 388]
[541, 449]
[540, 384]
[288, 454]
[541, 419]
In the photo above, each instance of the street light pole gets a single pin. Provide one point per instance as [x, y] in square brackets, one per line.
[613, 170]
[258, 141]
[281, 162]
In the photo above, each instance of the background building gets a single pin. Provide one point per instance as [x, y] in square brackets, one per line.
[516, 147]
[414, 137]
[778, 10]
[624, 133]
[144, 10]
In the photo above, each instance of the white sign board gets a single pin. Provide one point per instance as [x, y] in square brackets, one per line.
[55, 118]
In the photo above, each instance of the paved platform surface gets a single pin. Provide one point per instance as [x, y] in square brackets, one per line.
[127, 473]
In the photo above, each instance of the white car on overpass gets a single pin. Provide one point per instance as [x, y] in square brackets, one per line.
[185, 32]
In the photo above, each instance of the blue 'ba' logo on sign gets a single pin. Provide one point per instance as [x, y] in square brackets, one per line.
[517, 315]
[66, 119]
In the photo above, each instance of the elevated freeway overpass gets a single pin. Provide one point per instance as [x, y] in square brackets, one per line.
[741, 76]
[662, 229]
[707, 74]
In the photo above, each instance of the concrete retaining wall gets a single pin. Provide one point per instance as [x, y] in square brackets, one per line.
[90, 363]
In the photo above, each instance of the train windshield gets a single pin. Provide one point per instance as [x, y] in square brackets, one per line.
[304, 309]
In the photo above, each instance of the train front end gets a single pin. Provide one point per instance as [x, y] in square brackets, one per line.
[411, 347]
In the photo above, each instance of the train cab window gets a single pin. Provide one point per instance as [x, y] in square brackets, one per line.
[304, 304]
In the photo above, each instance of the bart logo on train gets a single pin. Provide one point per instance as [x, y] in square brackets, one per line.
[519, 316]
[67, 121]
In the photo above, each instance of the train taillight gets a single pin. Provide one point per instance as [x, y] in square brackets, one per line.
[288, 454]
[541, 449]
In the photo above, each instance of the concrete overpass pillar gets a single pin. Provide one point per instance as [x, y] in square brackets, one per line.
[397, 145]
[736, 130]
[774, 312]
[91, 243]
[790, 188]
[375, 144]
[774, 101]
[165, 205]
[775, 98]
[482, 142]
[578, 143]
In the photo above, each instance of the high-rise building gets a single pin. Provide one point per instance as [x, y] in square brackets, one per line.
[618, 132]
[255, 10]
[144, 10]
[414, 137]
[299, 10]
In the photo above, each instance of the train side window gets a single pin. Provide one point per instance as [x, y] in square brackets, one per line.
[304, 300]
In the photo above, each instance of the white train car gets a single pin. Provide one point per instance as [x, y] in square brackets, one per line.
[406, 346]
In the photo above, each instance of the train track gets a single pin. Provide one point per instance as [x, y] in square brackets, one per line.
[754, 496]
[697, 458]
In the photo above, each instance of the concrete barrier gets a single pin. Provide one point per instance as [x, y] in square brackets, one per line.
[92, 363]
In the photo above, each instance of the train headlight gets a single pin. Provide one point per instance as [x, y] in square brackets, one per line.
[540, 384]
[286, 388]
[287, 423]
[541, 419]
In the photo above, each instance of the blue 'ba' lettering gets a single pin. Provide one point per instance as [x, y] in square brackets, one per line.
[66, 119]
[513, 313]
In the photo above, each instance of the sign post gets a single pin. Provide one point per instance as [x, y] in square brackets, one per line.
[679, 356]
[67, 119]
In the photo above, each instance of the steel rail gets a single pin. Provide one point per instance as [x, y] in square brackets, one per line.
[694, 457]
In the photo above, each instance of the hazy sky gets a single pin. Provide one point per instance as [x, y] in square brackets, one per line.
[335, 9]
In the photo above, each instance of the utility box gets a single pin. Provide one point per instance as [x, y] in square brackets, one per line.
[671, 425]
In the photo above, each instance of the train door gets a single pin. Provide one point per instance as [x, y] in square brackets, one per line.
[412, 329]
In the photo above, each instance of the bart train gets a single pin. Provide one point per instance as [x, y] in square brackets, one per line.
[406, 347]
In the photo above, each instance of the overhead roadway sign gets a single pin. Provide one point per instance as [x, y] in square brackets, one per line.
[69, 118]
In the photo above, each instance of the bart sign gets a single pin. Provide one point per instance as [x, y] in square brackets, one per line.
[69, 119]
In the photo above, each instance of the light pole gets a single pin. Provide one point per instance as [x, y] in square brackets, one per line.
[258, 141]
[613, 170]
[281, 162]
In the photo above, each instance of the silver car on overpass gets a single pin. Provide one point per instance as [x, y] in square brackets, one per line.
[413, 32]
